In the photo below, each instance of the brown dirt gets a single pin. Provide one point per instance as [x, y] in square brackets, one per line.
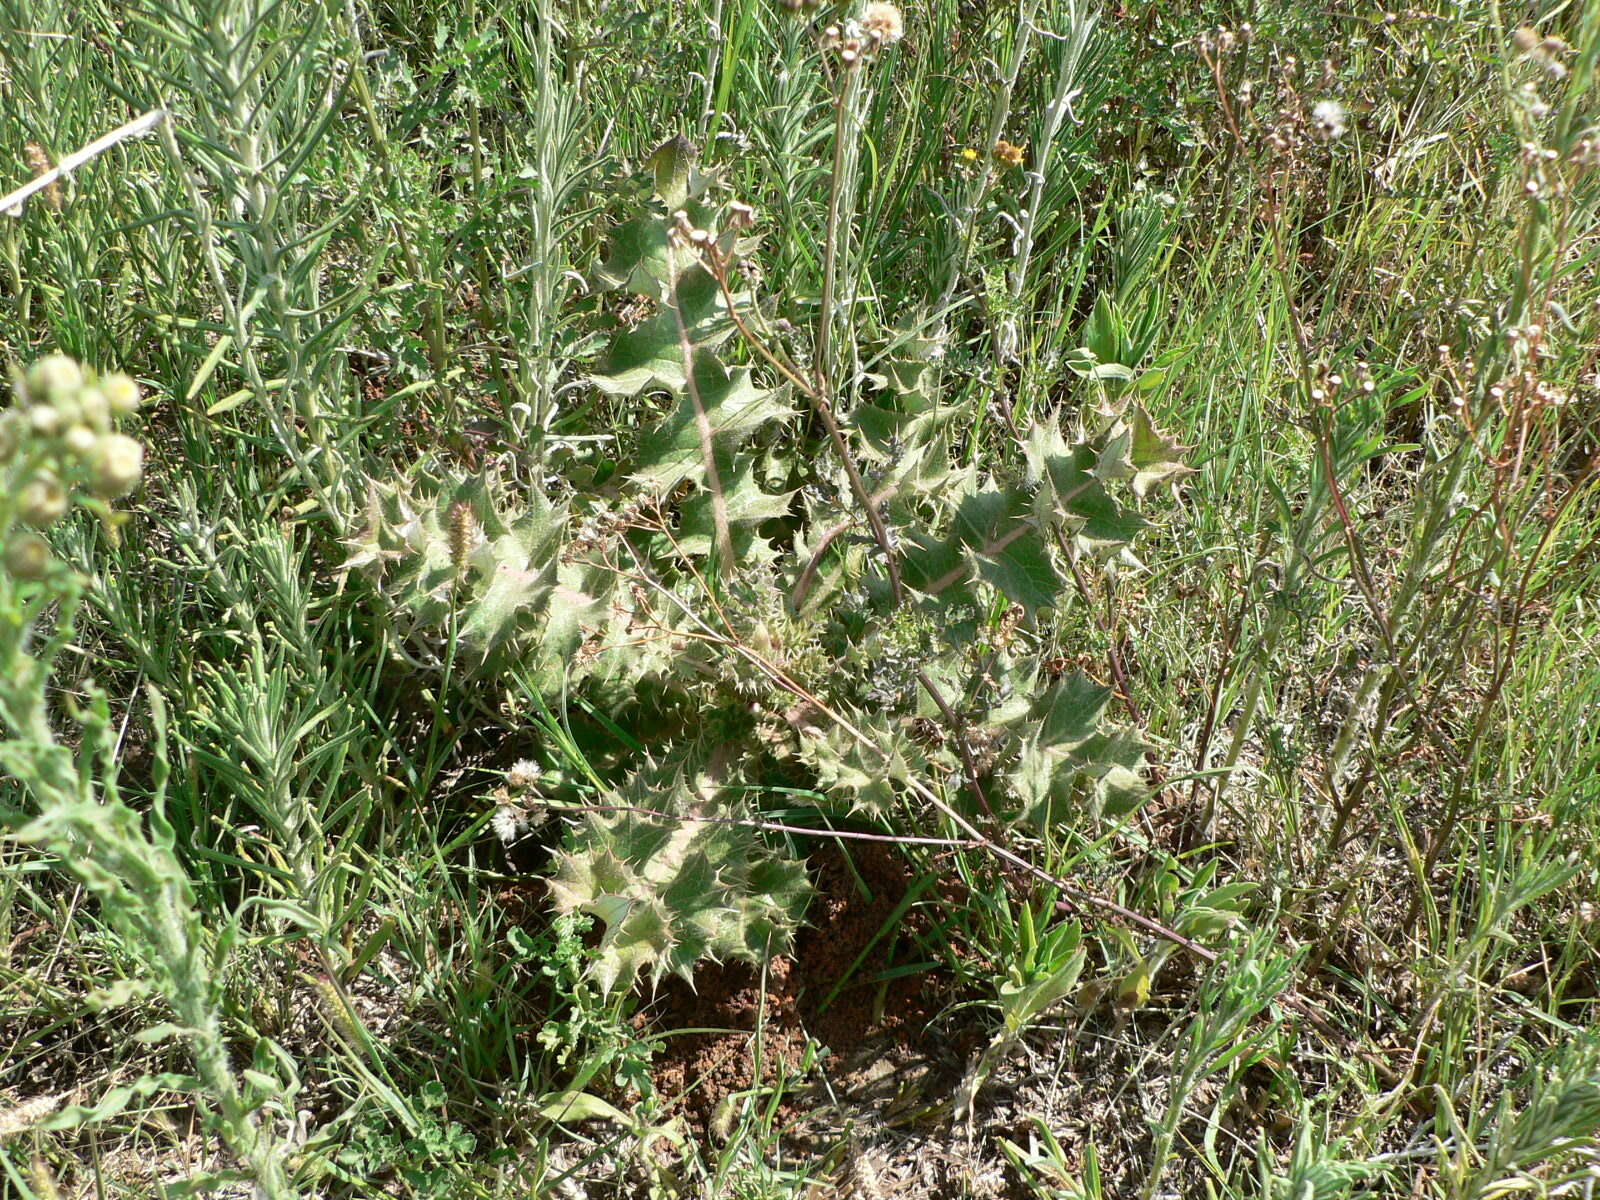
[868, 1017]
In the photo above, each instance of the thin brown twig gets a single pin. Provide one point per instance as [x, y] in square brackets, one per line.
[854, 835]
[958, 729]
[824, 410]
[1073, 897]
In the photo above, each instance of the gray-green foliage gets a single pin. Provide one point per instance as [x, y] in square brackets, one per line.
[678, 887]
[1544, 1134]
[369, 240]
[61, 789]
[607, 593]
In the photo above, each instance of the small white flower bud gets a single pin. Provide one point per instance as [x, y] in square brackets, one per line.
[121, 393]
[10, 433]
[79, 440]
[46, 421]
[115, 465]
[27, 556]
[53, 374]
[42, 502]
[68, 407]
[93, 408]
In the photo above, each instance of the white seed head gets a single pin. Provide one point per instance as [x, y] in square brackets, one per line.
[524, 773]
[508, 824]
[883, 23]
[1328, 119]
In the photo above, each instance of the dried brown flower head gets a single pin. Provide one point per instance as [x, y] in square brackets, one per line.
[1008, 155]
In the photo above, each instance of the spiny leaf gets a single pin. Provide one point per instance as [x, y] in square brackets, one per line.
[1070, 760]
[734, 409]
[1072, 491]
[746, 505]
[993, 534]
[674, 890]
[864, 774]
[651, 355]
[1157, 457]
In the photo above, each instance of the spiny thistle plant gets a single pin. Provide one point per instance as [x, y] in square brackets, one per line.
[833, 596]
[59, 448]
[673, 888]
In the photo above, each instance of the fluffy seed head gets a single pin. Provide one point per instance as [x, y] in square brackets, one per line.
[1328, 119]
[508, 824]
[524, 773]
[883, 23]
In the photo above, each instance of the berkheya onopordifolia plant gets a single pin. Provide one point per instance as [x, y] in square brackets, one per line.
[793, 576]
[59, 789]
